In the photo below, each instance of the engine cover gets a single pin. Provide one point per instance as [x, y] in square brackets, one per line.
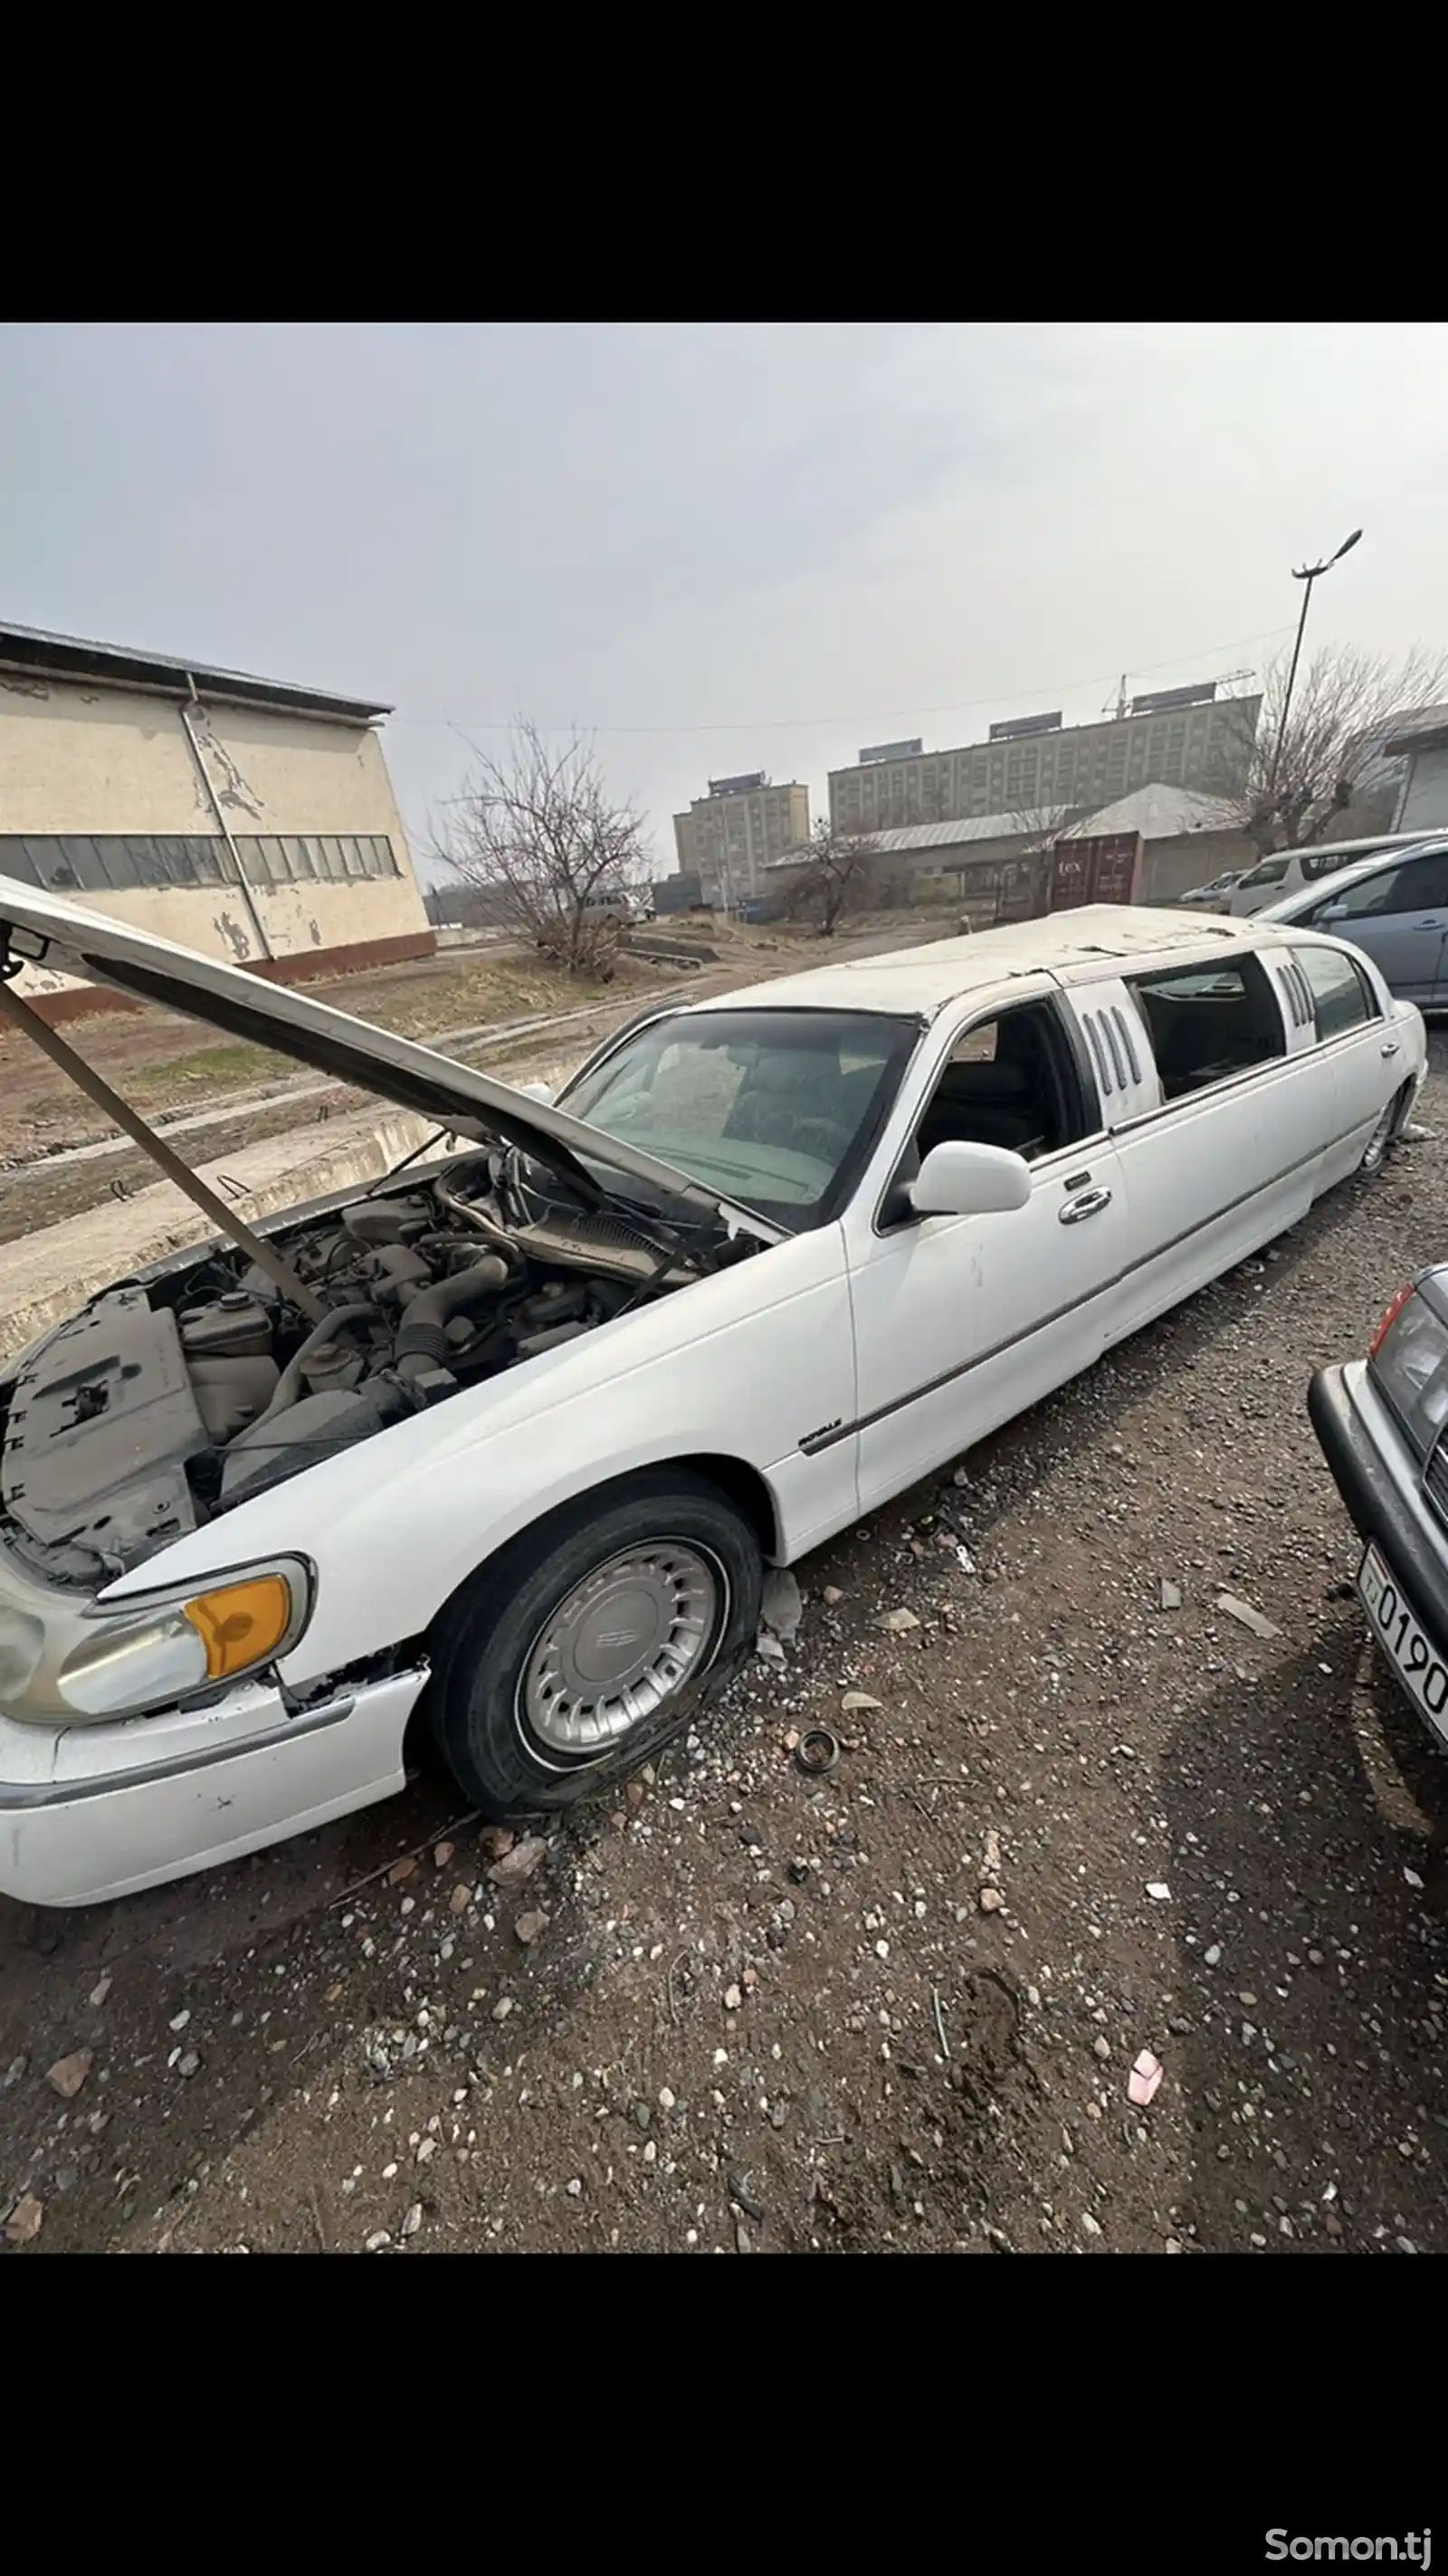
[101, 1425]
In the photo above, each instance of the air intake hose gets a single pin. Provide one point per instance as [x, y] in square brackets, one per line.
[422, 1341]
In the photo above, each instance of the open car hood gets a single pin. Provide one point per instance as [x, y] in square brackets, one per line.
[44, 929]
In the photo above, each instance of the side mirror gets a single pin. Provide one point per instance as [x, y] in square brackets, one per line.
[1332, 912]
[970, 1180]
[537, 1091]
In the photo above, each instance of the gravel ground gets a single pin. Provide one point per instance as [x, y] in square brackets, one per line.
[1078, 1817]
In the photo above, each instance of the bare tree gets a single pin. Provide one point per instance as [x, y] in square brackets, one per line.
[836, 876]
[1303, 781]
[536, 831]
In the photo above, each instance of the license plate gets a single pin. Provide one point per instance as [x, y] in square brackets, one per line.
[1422, 1673]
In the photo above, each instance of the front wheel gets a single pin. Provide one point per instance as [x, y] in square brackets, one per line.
[584, 1647]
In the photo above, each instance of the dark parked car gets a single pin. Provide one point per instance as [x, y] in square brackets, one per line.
[1381, 1422]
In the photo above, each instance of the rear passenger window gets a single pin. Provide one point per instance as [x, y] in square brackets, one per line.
[1342, 997]
[1209, 1022]
[1010, 1081]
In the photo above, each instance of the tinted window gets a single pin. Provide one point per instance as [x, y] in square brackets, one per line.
[1209, 1022]
[1271, 872]
[775, 1109]
[1340, 990]
[1415, 885]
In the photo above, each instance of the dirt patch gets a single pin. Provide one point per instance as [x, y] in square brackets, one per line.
[767, 2012]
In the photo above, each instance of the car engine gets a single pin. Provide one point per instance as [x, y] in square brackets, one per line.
[160, 1405]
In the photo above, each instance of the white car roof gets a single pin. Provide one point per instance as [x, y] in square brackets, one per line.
[1095, 940]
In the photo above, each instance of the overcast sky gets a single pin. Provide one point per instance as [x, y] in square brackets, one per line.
[722, 547]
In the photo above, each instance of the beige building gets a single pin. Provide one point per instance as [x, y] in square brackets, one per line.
[1035, 764]
[727, 837]
[1422, 745]
[243, 817]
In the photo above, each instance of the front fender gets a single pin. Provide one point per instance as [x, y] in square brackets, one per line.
[740, 1365]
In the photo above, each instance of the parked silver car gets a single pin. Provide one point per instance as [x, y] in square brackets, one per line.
[1395, 908]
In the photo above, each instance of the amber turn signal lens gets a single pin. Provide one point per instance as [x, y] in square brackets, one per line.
[241, 1624]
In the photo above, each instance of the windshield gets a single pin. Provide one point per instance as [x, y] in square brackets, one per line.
[774, 1109]
[1271, 872]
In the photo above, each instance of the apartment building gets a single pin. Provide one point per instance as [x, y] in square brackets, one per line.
[1034, 765]
[727, 837]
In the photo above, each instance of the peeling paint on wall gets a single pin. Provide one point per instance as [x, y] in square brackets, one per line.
[233, 790]
[235, 936]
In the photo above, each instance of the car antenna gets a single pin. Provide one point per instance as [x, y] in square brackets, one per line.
[96, 1088]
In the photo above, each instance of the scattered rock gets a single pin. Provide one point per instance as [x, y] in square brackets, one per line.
[529, 1926]
[1158, 1890]
[502, 2007]
[400, 1870]
[377, 2240]
[459, 1901]
[1246, 1616]
[1144, 2082]
[1412, 1878]
[14, 2073]
[782, 1603]
[991, 1900]
[897, 1622]
[733, 1999]
[442, 1854]
[25, 2221]
[832, 1596]
[1101, 2047]
[855, 1702]
[518, 1865]
[101, 1989]
[1089, 2225]
[188, 2064]
[179, 2020]
[412, 2221]
[769, 1647]
[68, 2074]
[1171, 1598]
[495, 1840]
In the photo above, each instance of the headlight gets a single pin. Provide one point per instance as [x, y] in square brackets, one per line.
[148, 1655]
[1408, 1362]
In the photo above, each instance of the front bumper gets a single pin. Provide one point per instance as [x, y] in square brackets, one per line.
[1381, 1483]
[92, 1812]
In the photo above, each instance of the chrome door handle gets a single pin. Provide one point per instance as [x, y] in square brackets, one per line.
[1390, 1049]
[1090, 1203]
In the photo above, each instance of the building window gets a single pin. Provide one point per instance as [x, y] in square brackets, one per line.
[118, 863]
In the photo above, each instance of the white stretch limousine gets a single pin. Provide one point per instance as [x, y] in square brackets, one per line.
[507, 1439]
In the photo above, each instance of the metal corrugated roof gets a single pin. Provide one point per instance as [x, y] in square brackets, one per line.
[73, 657]
[1159, 813]
[952, 836]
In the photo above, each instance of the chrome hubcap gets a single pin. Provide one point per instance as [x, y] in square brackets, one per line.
[621, 1643]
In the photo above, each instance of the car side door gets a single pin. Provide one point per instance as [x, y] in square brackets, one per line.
[962, 1321]
[1225, 1154]
[1399, 918]
[1358, 1042]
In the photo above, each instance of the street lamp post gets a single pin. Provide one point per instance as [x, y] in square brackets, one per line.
[1308, 574]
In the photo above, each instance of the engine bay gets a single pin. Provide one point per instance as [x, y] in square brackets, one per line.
[161, 1404]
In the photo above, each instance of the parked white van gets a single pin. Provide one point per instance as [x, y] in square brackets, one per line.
[1287, 871]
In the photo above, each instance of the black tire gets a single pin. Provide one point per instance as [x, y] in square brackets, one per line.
[485, 1641]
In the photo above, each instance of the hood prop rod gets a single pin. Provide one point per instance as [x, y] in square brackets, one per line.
[96, 1088]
